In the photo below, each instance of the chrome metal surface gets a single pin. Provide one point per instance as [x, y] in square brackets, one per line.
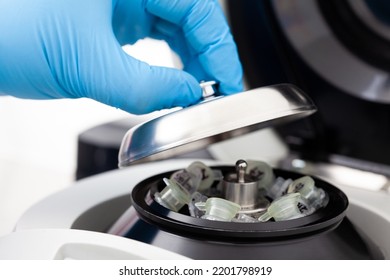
[211, 121]
[242, 193]
[240, 188]
[241, 166]
[314, 41]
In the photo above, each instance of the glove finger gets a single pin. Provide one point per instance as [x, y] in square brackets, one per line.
[174, 36]
[207, 33]
[130, 22]
[124, 82]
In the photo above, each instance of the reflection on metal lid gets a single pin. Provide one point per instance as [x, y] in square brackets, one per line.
[211, 121]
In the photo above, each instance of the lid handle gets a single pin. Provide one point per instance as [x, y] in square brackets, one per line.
[209, 88]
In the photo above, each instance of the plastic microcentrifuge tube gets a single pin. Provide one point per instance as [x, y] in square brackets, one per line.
[278, 188]
[285, 208]
[196, 197]
[173, 196]
[206, 174]
[218, 209]
[196, 177]
[186, 180]
[244, 218]
[316, 197]
[261, 172]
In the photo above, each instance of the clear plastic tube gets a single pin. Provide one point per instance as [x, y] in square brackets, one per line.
[173, 196]
[278, 188]
[284, 208]
[261, 172]
[316, 197]
[196, 177]
[219, 209]
[197, 197]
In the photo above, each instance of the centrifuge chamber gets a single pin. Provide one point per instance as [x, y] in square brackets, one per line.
[95, 204]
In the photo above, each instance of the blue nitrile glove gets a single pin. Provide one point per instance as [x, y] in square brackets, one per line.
[72, 48]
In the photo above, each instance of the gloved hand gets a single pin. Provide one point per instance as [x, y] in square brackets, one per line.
[72, 48]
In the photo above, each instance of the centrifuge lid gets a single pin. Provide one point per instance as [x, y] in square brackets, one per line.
[214, 119]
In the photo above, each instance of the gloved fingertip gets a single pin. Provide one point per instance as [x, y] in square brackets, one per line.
[189, 91]
[231, 88]
[165, 88]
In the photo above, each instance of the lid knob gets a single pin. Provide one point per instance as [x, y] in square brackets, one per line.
[241, 166]
[209, 88]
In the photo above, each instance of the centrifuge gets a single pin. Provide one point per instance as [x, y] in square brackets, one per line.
[78, 218]
[132, 206]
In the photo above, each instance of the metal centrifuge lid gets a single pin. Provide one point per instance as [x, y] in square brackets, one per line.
[214, 119]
